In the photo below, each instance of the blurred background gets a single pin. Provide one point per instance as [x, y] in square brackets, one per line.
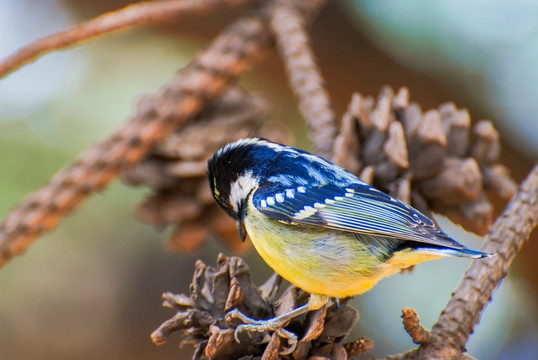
[91, 289]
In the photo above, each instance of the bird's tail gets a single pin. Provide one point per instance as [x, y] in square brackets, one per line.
[460, 252]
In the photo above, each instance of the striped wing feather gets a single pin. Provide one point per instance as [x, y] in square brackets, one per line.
[355, 208]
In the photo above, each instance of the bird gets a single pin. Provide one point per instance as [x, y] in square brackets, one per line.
[319, 226]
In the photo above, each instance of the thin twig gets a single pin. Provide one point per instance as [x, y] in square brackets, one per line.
[414, 328]
[306, 81]
[462, 313]
[152, 12]
[207, 76]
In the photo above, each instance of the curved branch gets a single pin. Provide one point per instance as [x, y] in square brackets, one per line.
[144, 13]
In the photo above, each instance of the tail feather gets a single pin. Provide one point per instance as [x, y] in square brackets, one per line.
[464, 252]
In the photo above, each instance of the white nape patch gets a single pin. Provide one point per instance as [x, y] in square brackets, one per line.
[240, 189]
[301, 189]
[271, 200]
[304, 213]
[279, 197]
[264, 203]
[290, 193]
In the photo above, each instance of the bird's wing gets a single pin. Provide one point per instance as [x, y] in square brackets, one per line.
[357, 208]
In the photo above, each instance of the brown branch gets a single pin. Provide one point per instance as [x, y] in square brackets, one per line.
[414, 328]
[207, 76]
[152, 12]
[306, 81]
[462, 313]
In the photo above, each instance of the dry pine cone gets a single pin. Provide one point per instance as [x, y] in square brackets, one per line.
[433, 160]
[176, 170]
[216, 291]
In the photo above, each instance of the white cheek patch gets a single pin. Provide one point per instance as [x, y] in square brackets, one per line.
[240, 189]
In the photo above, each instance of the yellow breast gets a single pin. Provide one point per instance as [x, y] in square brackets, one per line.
[322, 261]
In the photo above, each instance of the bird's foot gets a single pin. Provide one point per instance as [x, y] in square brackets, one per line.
[275, 324]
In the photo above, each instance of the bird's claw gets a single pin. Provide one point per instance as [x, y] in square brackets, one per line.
[252, 325]
[290, 337]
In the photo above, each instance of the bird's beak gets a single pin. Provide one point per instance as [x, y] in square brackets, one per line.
[241, 230]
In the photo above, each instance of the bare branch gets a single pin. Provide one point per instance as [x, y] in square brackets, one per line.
[506, 238]
[414, 328]
[207, 76]
[462, 313]
[152, 12]
[304, 75]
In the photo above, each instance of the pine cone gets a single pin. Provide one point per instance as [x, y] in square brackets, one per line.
[434, 160]
[176, 170]
[216, 291]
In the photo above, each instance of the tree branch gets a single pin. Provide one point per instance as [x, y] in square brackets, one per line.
[152, 12]
[462, 313]
[207, 76]
[304, 75]
[414, 328]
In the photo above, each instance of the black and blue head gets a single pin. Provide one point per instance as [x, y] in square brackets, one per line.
[232, 174]
[240, 167]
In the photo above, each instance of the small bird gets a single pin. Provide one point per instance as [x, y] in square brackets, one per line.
[319, 226]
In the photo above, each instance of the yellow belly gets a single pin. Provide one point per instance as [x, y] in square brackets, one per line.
[323, 261]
